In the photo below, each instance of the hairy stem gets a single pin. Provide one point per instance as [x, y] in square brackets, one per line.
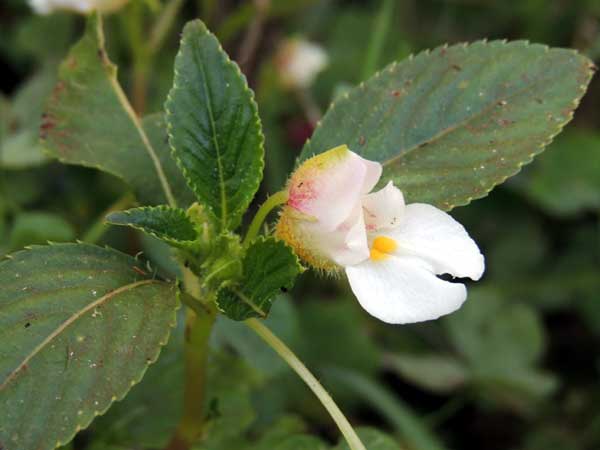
[198, 326]
[289, 357]
[272, 202]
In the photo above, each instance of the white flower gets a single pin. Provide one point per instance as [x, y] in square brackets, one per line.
[79, 6]
[298, 62]
[391, 252]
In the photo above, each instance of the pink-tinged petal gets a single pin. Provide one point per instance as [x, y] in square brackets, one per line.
[330, 185]
[429, 233]
[383, 209]
[403, 290]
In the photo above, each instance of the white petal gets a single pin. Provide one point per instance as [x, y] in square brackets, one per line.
[372, 176]
[383, 209]
[403, 290]
[330, 185]
[347, 244]
[429, 233]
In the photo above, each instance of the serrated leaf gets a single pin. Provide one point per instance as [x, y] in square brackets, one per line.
[79, 325]
[268, 267]
[450, 124]
[214, 127]
[170, 225]
[89, 122]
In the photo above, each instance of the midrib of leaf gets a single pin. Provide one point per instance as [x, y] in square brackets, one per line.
[465, 122]
[214, 139]
[249, 302]
[77, 315]
[134, 119]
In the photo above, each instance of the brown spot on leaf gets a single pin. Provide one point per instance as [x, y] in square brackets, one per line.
[362, 140]
[396, 93]
[456, 67]
[48, 123]
[71, 63]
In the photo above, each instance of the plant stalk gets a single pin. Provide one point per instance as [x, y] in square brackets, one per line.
[198, 326]
[292, 360]
[272, 202]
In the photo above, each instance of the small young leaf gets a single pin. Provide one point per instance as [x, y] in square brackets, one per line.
[79, 325]
[170, 225]
[450, 124]
[214, 128]
[89, 122]
[268, 267]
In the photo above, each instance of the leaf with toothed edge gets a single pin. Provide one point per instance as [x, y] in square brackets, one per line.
[214, 129]
[88, 121]
[269, 266]
[170, 225]
[450, 124]
[79, 325]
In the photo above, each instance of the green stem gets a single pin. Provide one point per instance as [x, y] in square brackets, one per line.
[380, 32]
[99, 227]
[272, 202]
[340, 420]
[163, 25]
[198, 326]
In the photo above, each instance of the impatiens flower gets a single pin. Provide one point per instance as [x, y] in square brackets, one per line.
[298, 62]
[392, 253]
[79, 6]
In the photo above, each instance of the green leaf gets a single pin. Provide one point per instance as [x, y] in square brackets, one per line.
[79, 325]
[170, 225]
[39, 228]
[450, 124]
[19, 141]
[214, 128]
[134, 421]
[269, 266]
[437, 373]
[566, 181]
[89, 122]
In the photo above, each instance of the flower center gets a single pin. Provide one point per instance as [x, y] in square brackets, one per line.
[382, 247]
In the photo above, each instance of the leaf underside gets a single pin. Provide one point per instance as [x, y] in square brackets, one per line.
[79, 325]
[88, 122]
[269, 267]
[170, 225]
[214, 128]
[450, 124]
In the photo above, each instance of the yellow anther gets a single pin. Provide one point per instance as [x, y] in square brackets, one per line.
[382, 247]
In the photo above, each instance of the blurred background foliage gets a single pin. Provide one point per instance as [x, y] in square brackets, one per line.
[516, 368]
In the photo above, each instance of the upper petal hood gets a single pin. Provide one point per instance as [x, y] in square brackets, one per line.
[330, 185]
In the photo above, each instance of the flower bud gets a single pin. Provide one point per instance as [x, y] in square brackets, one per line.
[298, 63]
[78, 6]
